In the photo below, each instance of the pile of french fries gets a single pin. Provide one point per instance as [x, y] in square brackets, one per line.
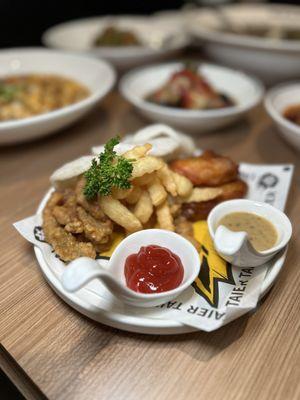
[156, 193]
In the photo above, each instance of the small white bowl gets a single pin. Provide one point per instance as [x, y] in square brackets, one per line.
[234, 247]
[97, 75]
[159, 39]
[82, 270]
[276, 101]
[246, 91]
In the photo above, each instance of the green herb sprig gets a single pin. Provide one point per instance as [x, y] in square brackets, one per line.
[8, 92]
[110, 170]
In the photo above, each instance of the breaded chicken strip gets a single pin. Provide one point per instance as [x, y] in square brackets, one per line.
[209, 169]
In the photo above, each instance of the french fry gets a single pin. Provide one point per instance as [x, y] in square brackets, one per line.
[143, 208]
[145, 165]
[134, 195]
[157, 192]
[138, 151]
[120, 214]
[166, 177]
[164, 217]
[144, 180]
[184, 185]
[203, 194]
[121, 194]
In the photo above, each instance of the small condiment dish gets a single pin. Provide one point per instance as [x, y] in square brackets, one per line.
[235, 247]
[82, 270]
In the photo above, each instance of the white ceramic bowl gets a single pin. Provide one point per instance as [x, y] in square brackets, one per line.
[234, 246]
[276, 101]
[160, 40]
[271, 60]
[244, 90]
[82, 270]
[96, 75]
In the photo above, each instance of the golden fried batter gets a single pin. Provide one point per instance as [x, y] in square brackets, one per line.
[91, 206]
[97, 231]
[66, 213]
[64, 244]
[209, 169]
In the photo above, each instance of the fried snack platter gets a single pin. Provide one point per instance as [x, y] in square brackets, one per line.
[158, 184]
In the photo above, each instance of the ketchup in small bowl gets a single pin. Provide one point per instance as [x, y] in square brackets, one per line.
[154, 269]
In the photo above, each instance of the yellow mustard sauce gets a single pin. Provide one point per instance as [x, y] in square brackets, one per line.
[261, 233]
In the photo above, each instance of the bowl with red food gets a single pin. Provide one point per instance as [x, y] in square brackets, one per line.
[192, 97]
[283, 106]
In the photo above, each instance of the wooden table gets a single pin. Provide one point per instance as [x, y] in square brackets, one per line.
[50, 350]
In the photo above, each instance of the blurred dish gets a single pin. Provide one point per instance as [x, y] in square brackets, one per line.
[246, 92]
[156, 39]
[95, 75]
[187, 89]
[112, 36]
[261, 39]
[277, 101]
[23, 96]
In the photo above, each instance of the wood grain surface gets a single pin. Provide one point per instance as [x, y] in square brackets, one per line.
[50, 350]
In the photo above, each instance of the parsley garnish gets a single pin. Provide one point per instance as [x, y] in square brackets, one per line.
[110, 170]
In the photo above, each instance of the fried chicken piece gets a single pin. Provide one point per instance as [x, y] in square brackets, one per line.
[66, 214]
[209, 169]
[64, 244]
[97, 231]
[198, 211]
[91, 206]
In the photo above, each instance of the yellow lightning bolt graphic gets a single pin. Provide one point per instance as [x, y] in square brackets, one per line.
[213, 269]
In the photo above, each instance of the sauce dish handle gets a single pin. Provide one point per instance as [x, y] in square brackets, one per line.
[229, 243]
[84, 269]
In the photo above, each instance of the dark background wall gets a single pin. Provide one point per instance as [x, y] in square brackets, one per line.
[23, 21]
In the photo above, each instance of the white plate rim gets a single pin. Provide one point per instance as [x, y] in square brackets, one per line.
[273, 112]
[231, 39]
[128, 322]
[112, 51]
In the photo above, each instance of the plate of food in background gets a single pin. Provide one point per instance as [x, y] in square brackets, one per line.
[125, 41]
[263, 39]
[191, 96]
[283, 105]
[43, 91]
[155, 178]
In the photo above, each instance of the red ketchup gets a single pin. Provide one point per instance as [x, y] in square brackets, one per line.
[153, 269]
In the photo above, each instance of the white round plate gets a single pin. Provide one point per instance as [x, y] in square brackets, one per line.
[97, 75]
[159, 39]
[88, 302]
[246, 91]
[272, 60]
[276, 101]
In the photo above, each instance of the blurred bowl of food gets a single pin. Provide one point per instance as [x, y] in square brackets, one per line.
[197, 98]
[283, 106]
[125, 41]
[43, 91]
[262, 39]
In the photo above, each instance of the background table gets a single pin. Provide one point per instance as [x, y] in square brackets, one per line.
[50, 350]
